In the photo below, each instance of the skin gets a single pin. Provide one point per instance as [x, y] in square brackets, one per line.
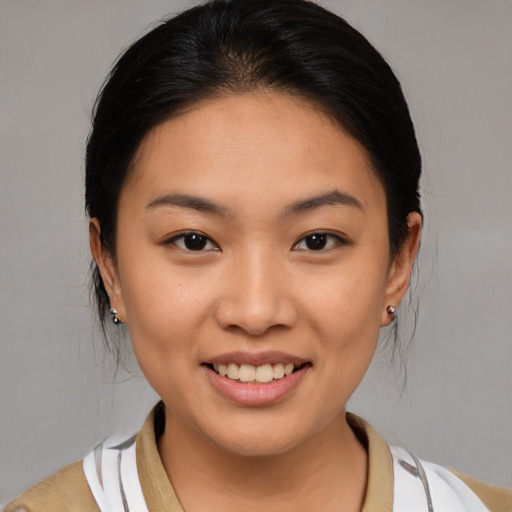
[256, 287]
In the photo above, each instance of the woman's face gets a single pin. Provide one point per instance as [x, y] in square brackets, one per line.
[252, 238]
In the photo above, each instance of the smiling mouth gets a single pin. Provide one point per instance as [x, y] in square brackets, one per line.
[248, 373]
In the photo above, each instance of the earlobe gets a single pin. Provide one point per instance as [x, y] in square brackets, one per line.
[399, 275]
[107, 269]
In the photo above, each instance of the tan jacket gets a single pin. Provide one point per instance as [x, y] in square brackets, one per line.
[68, 491]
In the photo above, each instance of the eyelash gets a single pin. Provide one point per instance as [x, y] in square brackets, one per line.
[204, 241]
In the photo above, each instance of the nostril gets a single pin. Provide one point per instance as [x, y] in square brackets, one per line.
[251, 308]
[251, 322]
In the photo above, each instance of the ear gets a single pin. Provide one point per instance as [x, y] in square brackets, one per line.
[399, 274]
[107, 268]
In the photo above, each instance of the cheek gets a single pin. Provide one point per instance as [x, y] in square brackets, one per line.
[165, 320]
[165, 310]
[348, 300]
[346, 313]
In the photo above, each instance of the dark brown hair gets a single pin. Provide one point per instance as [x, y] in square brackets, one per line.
[231, 47]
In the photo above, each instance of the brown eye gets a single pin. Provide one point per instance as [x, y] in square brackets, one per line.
[319, 242]
[193, 241]
[316, 242]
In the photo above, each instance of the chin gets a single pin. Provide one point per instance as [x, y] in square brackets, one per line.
[259, 437]
[258, 445]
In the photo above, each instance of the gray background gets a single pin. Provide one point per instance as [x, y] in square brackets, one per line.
[454, 58]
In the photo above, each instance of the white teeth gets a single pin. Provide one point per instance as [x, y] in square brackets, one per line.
[249, 373]
[278, 371]
[264, 373]
[233, 371]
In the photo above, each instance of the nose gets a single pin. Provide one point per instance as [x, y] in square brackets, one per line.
[257, 296]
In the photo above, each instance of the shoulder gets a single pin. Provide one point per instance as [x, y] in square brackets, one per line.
[396, 475]
[65, 491]
[444, 488]
[496, 499]
[69, 490]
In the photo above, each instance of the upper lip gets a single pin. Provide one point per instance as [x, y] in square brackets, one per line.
[257, 359]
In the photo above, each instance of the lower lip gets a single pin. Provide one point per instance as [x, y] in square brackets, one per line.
[252, 394]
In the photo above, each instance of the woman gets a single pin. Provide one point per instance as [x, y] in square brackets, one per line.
[252, 186]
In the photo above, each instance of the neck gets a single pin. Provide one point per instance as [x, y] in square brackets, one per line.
[326, 472]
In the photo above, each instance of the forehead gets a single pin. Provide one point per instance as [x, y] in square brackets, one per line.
[260, 143]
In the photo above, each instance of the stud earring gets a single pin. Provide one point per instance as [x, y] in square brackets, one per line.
[391, 310]
[115, 318]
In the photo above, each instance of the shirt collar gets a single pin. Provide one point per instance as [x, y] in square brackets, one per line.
[160, 496]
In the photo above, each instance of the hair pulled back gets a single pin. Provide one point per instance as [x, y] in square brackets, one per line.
[233, 47]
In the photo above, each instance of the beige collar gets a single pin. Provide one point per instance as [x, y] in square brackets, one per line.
[160, 495]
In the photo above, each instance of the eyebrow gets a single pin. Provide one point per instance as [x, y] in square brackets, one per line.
[334, 198]
[188, 201]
